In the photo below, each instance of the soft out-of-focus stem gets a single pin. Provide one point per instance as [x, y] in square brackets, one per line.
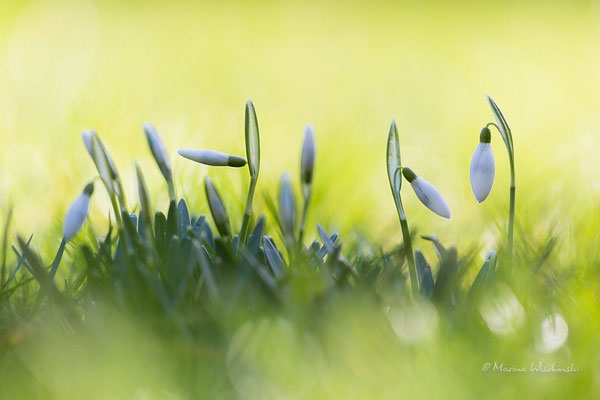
[57, 258]
[247, 212]
[511, 212]
[119, 220]
[410, 257]
[171, 185]
[303, 218]
[511, 205]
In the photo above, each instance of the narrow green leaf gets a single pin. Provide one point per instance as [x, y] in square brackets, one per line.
[172, 220]
[505, 131]
[322, 251]
[56, 262]
[183, 217]
[206, 269]
[426, 283]
[217, 208]
[160, 233]
[273, 258]
[446, 277]
[144, 201]
[254, 239]
[484, 274]
[440, 250]
[327, 243]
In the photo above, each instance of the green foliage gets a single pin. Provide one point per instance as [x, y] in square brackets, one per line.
[223, 308]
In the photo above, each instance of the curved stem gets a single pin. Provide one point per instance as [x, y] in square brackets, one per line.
[410, 258]
[511, 212]
[511, 208]
[492, 124]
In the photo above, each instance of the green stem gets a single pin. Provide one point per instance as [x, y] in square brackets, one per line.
[410, 258]
[122, 197]
[511, 206]
[247, 212]
[511, 212]
[303, 219]
[172, 196]
[115, 206]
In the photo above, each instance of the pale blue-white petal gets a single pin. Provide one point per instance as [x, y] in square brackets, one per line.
[482, 171]
[430, 197]
[76, 216]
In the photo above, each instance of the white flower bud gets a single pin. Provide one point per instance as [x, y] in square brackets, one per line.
[427, 193]
[87, 142]
[212, 157]
[482, 171]
[287, 207]
[307, 163]
[158, 149]
[77, 213]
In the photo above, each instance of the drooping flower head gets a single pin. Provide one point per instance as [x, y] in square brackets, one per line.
[483, 167]
[427, 193]
[77, 212]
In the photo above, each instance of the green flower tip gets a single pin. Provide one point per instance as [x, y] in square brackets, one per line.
[236, 161]
[89, 188]
[409, 174]
[485, 136]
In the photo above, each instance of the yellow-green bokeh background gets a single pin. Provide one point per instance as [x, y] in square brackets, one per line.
[348, 68]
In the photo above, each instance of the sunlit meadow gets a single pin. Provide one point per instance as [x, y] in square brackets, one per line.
[348, 69]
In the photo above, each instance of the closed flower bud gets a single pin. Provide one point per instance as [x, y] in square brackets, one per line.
[287, 207]
[483, 167]
[212, 157]
[307, 162]
[427, 193]
[77, 213]
[217, 208]
[87, 142]
[158, 149]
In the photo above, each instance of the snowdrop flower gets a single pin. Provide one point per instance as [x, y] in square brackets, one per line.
[158, 149]
[427, 193]
[483, 167]
[77, 213]
[307, 162]
[212, 157]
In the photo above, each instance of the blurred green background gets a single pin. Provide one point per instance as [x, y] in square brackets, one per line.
[348, 68]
